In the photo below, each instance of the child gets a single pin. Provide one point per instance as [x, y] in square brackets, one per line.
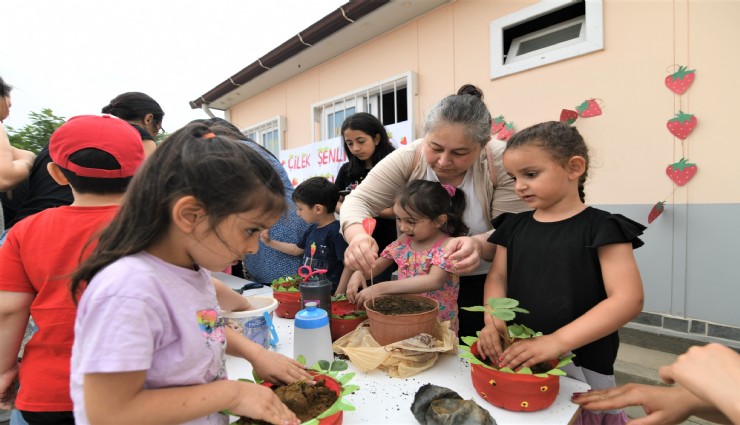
[570, 265]
[96, 156]
[149, 336]
[315, 200]
[428, 214]
[366, 142]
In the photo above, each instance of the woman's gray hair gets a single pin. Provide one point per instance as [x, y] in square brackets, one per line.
[464, 109]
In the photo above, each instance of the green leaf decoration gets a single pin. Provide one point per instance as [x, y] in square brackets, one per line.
[524, 371]
[301, 359]
[682, 72]
[582, 107]
[682, 117]
[541, 375]
[313, 421]
[346, 378]
[257, 379]
[507, 370]
[557, 372]
[565, 360]
[349, 389]
[469, 340]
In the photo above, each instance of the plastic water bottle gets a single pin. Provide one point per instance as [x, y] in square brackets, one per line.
[316, 288]
[312, 337]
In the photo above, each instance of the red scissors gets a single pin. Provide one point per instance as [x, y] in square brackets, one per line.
[306, 272]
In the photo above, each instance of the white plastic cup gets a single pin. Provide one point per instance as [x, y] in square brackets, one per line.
[251, 323]
[312, 336]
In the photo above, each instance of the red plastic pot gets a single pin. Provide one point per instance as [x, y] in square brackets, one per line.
[514, 391]
[332, 384]
[289, 303]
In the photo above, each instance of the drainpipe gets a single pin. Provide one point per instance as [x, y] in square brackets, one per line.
[207, 110]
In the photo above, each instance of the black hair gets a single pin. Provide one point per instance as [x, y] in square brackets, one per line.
[370, 125]
[431, 200]
[95, 158]
[560, 140]
[134, 106]
[5, 88]
[317, 191]
[465, 108]
[226, 176]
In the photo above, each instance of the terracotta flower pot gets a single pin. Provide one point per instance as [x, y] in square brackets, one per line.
[387, 329]
[332, 384]
[289, 303]
[513, 391]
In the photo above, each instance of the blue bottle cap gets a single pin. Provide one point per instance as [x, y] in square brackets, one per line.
[311, 317]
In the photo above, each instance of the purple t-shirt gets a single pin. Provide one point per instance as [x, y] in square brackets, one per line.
[142, 313]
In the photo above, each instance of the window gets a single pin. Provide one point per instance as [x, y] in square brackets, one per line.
[547, 32]
[388, 100]
[268, 134]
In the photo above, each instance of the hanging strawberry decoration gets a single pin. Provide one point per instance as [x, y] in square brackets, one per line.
[506, 132]
[681, 172]
[497, 124]
[679, 81]
[681, 125]
[568, 115]
[656, 211]
[589, 108]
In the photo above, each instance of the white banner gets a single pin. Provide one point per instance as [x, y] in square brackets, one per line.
[325, 157]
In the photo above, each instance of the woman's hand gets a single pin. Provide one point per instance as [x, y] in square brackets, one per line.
[361, 252]
[531, 351]
[277, 368]
[663, 405]
[464, 253]
[356, 284]
[259, 402]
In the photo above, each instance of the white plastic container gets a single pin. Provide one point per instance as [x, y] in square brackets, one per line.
[252, 323]
[312, 337]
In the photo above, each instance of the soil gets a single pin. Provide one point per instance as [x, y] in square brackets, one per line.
[306, 401]
[394, 306]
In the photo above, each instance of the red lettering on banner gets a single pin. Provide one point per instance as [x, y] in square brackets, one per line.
[299, 162]
[331, 156]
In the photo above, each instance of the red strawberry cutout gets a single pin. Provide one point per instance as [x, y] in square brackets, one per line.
[568, 115]
[681, 172]
[589, 108]
[506, 132]
[369, 225]
[681, 125]
[403, 140]
[497, 124]
[295, 182]
[679, 81]
[655, 211]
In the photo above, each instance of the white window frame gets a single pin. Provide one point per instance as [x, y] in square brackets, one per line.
[364, 99]
[591, 39]
[261, 129]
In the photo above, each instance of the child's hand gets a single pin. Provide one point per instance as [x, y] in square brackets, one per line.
[356, 283]
[489, 344]
[366, 294]
[259, 402]
[7, 387]
[265, 236]
[528, 352]
[276, 368]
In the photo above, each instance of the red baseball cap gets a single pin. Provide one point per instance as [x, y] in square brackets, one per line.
[106, 133]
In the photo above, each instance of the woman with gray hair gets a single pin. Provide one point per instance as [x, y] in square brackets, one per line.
[457, 150]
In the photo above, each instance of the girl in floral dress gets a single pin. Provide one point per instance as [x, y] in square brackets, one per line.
[427, 214]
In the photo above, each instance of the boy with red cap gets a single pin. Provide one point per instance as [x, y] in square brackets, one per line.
[97, 157]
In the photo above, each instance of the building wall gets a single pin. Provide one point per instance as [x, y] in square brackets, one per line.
[687, 263]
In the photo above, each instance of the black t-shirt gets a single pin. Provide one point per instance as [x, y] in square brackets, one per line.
[553, 269]
[385, 228]
[37, 193]
[330, 247]
[142, 132]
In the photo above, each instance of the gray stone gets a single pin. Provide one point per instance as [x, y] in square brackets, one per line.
[674, 324]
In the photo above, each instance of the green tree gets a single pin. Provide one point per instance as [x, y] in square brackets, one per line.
[35, 136]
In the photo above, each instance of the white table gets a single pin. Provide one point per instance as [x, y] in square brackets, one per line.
[385, 400]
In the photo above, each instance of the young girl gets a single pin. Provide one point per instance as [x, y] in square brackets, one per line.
[570, 265]
[365, 144]
[428, 214]
[149, 335]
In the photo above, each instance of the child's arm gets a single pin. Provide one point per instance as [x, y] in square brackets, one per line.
[624, 298]
[228, 299]
[344, 280]
[120, 398]
[285, 247]
[489, 342]
[412, 285]
[357, 281]
[14, 312]
[268, 365]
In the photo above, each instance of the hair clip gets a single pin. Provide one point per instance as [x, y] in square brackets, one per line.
[450, 189]
[209, 136]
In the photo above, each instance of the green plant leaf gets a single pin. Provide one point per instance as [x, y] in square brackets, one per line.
[504, 315]
[257, 379]
[246, 380]
[338, 366]
[508, 303]
[324, 364]
[475, 308]
[301, 359]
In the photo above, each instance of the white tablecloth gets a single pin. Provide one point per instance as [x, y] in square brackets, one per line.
[385, 400]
